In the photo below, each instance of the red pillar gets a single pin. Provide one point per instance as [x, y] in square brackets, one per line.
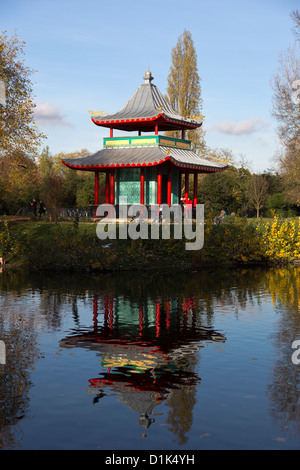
[186, 188]
[112, 187]
[195, 188]
[111, 311]
[111, 133]
[157, 319]
[169, 187]
[95, 311]
[142, 186]
[107, 188]
[141, 319]
[156, 129]
[158, 185]
[168, 314]
[96, 188]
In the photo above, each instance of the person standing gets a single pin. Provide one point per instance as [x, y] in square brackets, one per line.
[33, 207]
[42, 209]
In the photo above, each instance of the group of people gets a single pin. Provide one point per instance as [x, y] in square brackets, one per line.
[187, 206]
[42, 208]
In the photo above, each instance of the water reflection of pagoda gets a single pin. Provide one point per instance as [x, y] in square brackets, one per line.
[148, 349]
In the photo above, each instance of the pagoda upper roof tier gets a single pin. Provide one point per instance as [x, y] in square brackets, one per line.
[144, 111]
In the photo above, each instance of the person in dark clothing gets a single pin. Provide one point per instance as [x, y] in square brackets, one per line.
[33, 207]
[42, 209]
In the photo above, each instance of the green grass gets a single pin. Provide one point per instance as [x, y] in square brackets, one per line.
[69, 245]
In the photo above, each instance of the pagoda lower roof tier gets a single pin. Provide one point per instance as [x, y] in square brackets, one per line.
[143, 157]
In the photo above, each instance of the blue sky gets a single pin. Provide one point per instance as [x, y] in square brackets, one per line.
[92, 55]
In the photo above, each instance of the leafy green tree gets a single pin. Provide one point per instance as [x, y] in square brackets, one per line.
[225, 191]
[18, 181]
[78, 186]
[61, 186]
[17, 127]
[278, 203]
[184, 90]
[85, 190]
[51, 182]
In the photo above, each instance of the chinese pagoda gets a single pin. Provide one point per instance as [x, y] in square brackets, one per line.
[145, 169]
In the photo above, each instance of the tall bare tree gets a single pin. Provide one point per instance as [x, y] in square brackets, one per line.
[257, 191]
[295, 15]
[286, 110]
[286, 98]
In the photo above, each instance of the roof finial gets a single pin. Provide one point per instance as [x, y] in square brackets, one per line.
[148, 76]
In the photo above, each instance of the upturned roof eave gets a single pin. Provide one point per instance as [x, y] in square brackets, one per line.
[127, 158]
[131, 122]
[200, 168]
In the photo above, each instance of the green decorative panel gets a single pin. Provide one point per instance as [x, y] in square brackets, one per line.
[175, 176]
[145, 141]
[150, 185]
[128, 185]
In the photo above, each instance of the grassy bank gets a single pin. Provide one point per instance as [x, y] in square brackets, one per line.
[75, 246]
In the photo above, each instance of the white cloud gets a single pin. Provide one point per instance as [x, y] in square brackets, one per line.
[249, 126]
[49, 115]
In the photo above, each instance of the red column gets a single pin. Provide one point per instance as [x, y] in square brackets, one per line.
[158, 185]
[157, 319]
[141, 319]
[142, 186]
[168, 314]
[111, 133]
[112, 187]
[156, 129]
[195, 188]
[96, 188]
[186, 188]
[107, 188]
[169, 187]
[95, 311]
[111, 311]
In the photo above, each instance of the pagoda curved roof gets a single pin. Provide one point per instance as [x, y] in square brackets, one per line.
[143, 157]
[144, 110]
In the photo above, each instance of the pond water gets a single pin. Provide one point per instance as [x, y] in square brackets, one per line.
[168, 361]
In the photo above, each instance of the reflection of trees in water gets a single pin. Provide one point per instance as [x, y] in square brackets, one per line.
[180, 416]
[21, 353]
[209, 289]
[284, 388]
